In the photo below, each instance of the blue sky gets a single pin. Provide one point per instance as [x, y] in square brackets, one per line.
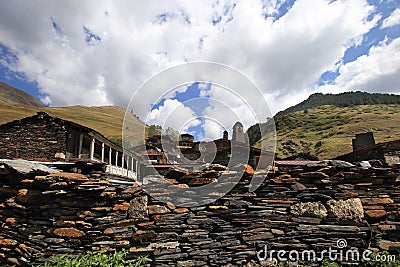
[74, 53]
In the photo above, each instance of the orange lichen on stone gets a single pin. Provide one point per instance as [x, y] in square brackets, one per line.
[8, 242]
[181, 210]
[22, 192]
[171, 181]
[68, 232]
[123, 206]
[248, 169]
[108, 231]
[375, 213]
[69, 176]
[13, 261]
[145, 224]
[64, 223]
[60, 184]
[10, 220]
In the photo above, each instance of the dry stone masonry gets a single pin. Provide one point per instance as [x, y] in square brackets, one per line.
[32, 138]
[44, 213]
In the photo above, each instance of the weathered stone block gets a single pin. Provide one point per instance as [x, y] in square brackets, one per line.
[389, 245]
[375, 214]
[157, 209]
[350, 209]
[138, 208]
[312, 209]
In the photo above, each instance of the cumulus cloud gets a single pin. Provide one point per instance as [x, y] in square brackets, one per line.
[81, 53]
[173, 114]
[378, 71]
[226, 108]
[392, 20]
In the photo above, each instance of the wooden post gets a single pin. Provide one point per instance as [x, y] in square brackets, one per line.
[80, 145]
[102, 152]
[137, 170]
[116, 158]
[92, 149]
[123, 161]
[109, 156]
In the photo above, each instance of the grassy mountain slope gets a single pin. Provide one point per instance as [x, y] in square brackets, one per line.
[107, 120]
[11, 95]
[326, 131]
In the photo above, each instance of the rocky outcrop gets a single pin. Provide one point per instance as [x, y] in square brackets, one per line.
[43, 214]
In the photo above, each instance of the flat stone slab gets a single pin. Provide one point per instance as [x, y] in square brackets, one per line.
[27, 167]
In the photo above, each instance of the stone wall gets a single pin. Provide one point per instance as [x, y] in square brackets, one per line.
[33, 137]
[304, 208]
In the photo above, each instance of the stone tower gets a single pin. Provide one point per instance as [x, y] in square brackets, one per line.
[225, 136]
[237, 133]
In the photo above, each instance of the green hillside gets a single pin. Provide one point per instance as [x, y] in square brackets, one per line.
[326, 131]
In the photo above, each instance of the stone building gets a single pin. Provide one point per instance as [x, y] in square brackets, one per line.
[363, 140]
[219, 151]
[364, 148]
[238, 135]
[186, 141]
[46, 138]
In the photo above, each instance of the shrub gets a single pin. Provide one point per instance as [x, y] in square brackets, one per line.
[96, 258]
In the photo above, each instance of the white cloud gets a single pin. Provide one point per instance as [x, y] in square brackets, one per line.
[284, 57]
[173, 114]
[379, 71]
[227, 108]
[392, 20]
[212, 130]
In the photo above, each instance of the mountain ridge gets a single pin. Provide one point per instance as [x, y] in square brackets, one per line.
[12, 95]
[345, 99]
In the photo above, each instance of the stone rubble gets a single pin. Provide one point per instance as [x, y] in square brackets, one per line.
[43, 214]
